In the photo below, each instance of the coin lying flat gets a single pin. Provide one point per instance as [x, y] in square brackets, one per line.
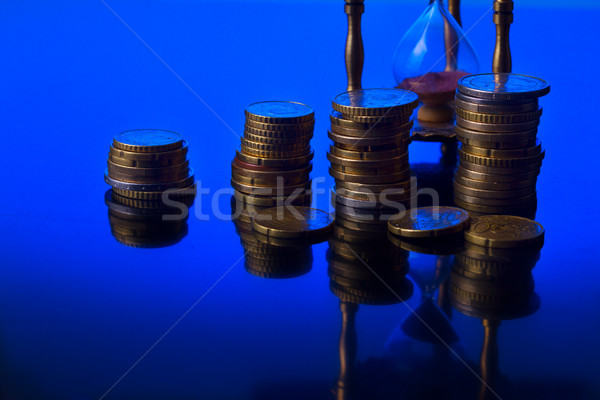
[505, 231]
[429, 222]
[375, 102]
[503, 86]
[279, 112]
[292, 222]
[147, 140]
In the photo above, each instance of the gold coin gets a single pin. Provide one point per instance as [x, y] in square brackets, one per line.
[504, 231]
[250, 144]
[162, 158]
[379, 119]
[400, 160]
[501, 137]
[513, 145]
[370, 179]
[275, 154]
[389, 195]
[529, 176]
[277, 140]
[491, 185]
[399, 138]
[271, 181]
[499, 118]
[378, 188]
[462, 102]
[300, 198]
[342, 121]
[172, 193]
[498, 153]
[279, 130]
[522, 169]
[270, 174]
[269, 190]
[399, 146]
[375, 102]
[374, 171]
[367, 155]
[147, 140]
[288, 162]
[279, 112]
[497, 128]
[147, 172]
[495, 162]
[292, 222]
[375, 131]
[520, 209]
[147, 175]
[429, 222]
[494, 194]
[495, 202]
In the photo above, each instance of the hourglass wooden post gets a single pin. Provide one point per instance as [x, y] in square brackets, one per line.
[503, 17]
[355, 54]
[454, 8]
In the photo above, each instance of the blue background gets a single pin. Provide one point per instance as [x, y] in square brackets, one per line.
[77, 308]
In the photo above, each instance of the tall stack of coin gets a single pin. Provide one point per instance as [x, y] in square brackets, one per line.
[497, 118]
[274, 164]
[144, 163]
[370, 130]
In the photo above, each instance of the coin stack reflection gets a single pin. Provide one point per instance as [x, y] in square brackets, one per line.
[370, 130]
[492, 277]
[360, 241]
[497, 118]
[285, 259]
[144, 163]
[274, 164]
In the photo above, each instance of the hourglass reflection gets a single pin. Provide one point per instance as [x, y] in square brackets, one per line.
[433, 54]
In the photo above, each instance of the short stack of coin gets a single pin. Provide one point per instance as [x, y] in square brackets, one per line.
[497, 118]
[274, 164]
[144, 163]
[370, 130]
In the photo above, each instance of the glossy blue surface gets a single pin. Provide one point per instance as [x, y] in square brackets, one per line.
[78, 309]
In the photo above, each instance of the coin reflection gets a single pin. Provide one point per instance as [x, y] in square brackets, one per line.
[269, 257]
[147, 224]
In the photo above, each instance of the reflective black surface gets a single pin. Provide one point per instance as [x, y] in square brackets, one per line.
[83, 316]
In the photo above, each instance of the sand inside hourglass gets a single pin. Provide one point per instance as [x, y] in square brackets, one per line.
[436, 92]
[434, 88]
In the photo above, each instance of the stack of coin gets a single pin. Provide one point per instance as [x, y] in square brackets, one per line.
[364, 267]
[492, 277]
[497, 118]
[370, 130]
[274, 163]
[145, 163]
